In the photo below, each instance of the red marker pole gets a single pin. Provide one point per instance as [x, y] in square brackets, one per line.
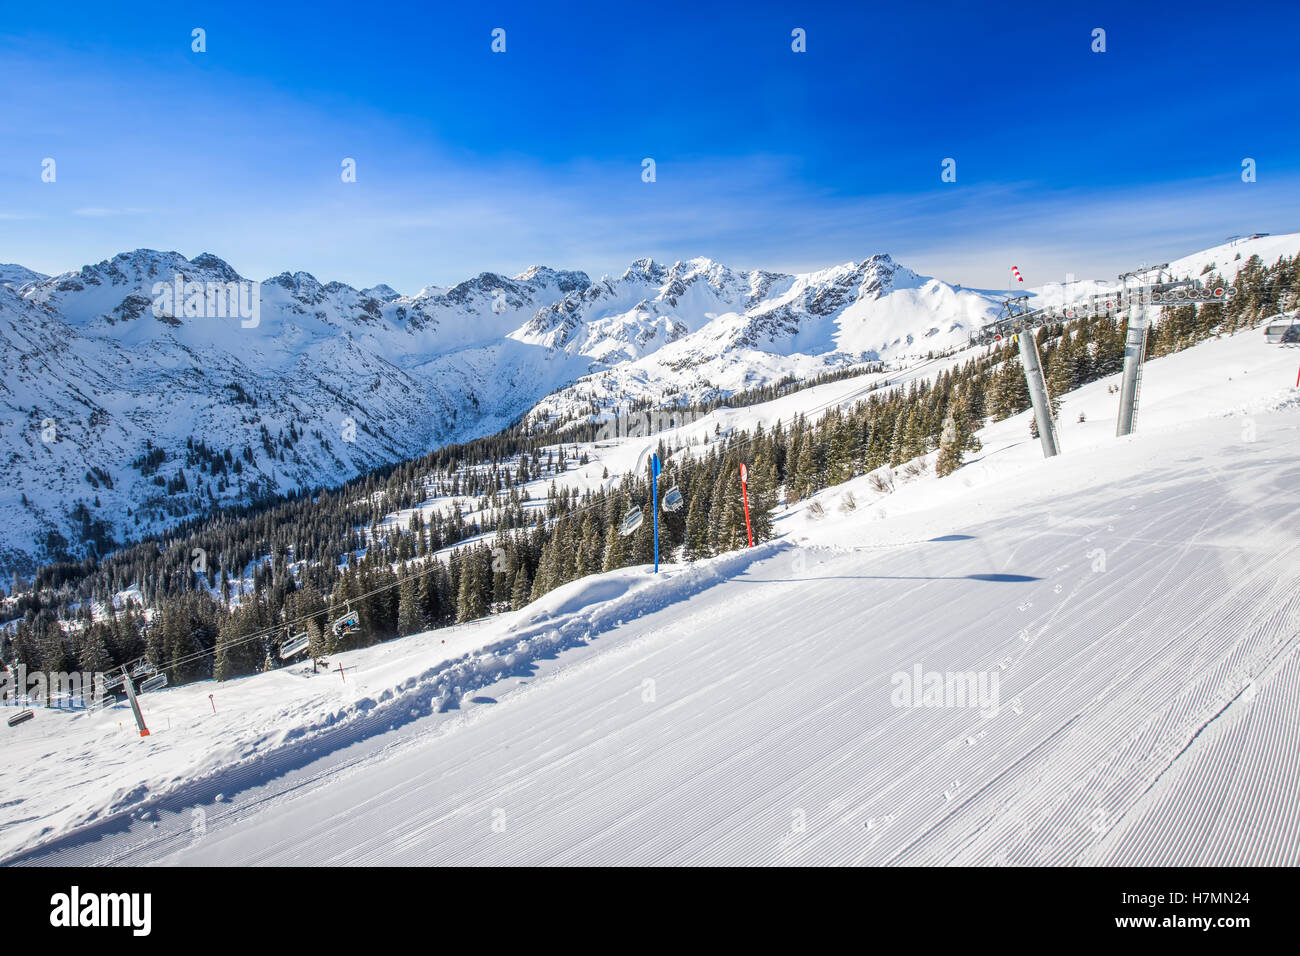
[744, 490]
[213, 703]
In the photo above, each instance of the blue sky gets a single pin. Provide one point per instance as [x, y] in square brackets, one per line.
[1067, 160]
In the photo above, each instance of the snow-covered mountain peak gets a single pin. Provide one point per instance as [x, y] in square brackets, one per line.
[382, 292]
[12, 274]
[215, 265]
[646, 269]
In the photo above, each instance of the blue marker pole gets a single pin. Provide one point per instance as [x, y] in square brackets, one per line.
[654, 503]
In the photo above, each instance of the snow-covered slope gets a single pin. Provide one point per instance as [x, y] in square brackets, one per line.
[1134, 605]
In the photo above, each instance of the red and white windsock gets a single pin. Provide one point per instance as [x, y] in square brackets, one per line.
[1016, 272]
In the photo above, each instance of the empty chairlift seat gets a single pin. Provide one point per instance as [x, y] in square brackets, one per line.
[631, 521]
[154, 683]
[673, 500]
[295, 645]
[1282, 330]
[21, 717]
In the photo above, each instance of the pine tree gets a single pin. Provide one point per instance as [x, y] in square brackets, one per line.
[588, 557]
[544, 581]
[897, 445]
[762, 497]
[521, 591]
[470, 604]
[615, 550]
[432, 583]
[93, 654]
[410, 620]
[807, 477]
[727, 518]
[238, 650]
[913, 437]
[697, 525]
[839, 461]
[958, 438]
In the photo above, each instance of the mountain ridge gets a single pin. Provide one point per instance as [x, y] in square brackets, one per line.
[121, 419]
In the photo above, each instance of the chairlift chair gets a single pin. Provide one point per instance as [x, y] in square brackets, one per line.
[142, 669]
[673, 499]
[20, 717]
[153, 683]
[631, 521]
[1283, 330]
[295, 645]
[349, 623]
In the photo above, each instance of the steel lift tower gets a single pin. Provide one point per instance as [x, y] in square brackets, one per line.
[1032, 363]
[1135, 347]
[1019, 319]
[1023, 322]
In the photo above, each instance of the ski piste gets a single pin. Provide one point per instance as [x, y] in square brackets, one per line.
[1128, 591]
[598, 436]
